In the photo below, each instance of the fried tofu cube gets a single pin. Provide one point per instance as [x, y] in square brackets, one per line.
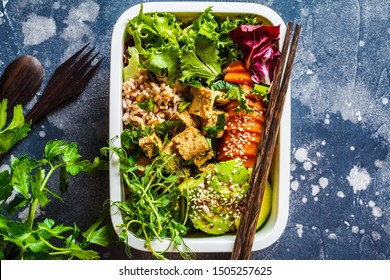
[186, 118]
[169, 148]
[151, 145]
[214, 125]
[200, 160]
[202, 102]
[190, 143]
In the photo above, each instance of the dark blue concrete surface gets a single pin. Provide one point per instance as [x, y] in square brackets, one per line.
[340, 164]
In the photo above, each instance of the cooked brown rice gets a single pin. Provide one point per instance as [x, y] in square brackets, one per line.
[140, 88]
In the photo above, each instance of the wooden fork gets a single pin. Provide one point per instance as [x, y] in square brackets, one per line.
[67, 81]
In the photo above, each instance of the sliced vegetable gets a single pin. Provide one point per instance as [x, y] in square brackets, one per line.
[261, 55]
[241, 78]
[235, 66]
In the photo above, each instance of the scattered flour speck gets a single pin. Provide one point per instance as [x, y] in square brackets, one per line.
[294, 185]
[340, 194]
[299, 230]
[359, 179]
[332, 236]
[371, 203]
[378, 163]
[77, 21]
[42, 134]
[307, 165]
[385, 100]
[376, 211]
[324, 182]
[315, 189]
[293, 167]
[304, 199]
[359, 116]
[301, 154]
[376, 235]
[37, 29]
[361, 43]
[352, 148]
[355, 229]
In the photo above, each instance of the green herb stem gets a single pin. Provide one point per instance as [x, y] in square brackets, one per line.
[34, 202]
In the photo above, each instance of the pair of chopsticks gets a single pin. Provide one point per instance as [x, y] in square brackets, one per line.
[250, 214]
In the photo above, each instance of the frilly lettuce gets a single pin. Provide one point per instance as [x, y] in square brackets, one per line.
[193, 52]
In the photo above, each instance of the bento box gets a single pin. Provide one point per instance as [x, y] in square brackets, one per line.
[279, 175]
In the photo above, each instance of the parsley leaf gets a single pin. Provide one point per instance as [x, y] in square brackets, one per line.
[147, 105]
[26, 185]
[16, 130]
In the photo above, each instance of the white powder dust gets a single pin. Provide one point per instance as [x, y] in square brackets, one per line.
[359, 179]
[376, 235]
[378, 163]
[307, 165]
[294, 185]
[340, 194]
[332, 236]
[37, 29]
[299, 230]
[355, 229]
[315, 189]
[77, 24]
[324, 182]
[301, 154]
[376, 212]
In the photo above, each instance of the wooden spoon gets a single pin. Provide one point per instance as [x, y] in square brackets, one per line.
[20, 81]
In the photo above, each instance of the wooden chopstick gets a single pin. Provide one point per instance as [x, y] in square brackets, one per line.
[250, 214]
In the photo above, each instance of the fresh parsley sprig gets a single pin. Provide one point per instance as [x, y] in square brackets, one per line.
[26, 185]
[15, 131]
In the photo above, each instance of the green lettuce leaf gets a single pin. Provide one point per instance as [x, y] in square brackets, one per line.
[130, 70]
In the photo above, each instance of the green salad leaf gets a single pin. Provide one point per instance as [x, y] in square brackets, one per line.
[130, 70]
[233, 92]
[15, 131]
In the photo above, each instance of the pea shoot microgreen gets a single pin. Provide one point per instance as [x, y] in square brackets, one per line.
[151, 209]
